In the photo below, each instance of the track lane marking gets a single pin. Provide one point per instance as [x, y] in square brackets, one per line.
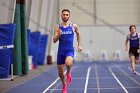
[87, 79]
[118, 80]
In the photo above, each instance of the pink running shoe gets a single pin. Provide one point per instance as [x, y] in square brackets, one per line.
[64, 90]
[68, 78]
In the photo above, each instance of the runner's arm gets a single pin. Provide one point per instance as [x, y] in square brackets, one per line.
[78, 37]
[126, 42]
[57, 34]
[77, 33]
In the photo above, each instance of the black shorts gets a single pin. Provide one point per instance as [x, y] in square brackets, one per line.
[134, 52]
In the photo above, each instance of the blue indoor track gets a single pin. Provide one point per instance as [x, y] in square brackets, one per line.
[88, 77]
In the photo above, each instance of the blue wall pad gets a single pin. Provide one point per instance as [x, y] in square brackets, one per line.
[6, 38]
[42, 49]
[34, 46]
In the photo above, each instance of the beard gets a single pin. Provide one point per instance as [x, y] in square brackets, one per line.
[65, 20]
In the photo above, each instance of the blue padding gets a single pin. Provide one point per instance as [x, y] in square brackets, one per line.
[34, 46]
[6, 38]
[42, 49]
[7, 34]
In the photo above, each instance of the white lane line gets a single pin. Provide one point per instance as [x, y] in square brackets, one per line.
[90, 77]
[48, 88]
[97, 79]
[118, 80]
[128, 76]
[109, 88]
[87, 78]
[136, 71]
[79, 78]
[25, 81]
[55, 87]
[51, 85]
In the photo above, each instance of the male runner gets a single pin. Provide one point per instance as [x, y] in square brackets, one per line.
[133, 38]
[64, 32]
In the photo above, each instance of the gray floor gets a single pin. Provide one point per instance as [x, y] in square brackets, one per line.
[7, 84]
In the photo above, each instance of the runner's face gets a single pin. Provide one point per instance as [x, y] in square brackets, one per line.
[65, 16]
[133, 30]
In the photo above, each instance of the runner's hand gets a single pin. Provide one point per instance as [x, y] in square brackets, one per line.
[79, 48]
[59, 32]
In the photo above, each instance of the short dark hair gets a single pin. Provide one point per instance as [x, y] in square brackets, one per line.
[132, 26]
[66, 10]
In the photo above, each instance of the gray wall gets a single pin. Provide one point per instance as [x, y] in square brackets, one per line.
[94, 17]
[98, 38]
[43, 17]
[88, 12]
[6, 11]
[101, 24]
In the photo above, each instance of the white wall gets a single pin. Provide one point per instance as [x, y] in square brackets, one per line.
[78, 16]
[94, 37]
[86, 12]
[43, 17]
[101, 37]
[96, 18]
[6, 11]
[34, 20]
[119, 11]
[28, 10]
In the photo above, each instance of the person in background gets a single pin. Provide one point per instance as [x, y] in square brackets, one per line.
[133, 38]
